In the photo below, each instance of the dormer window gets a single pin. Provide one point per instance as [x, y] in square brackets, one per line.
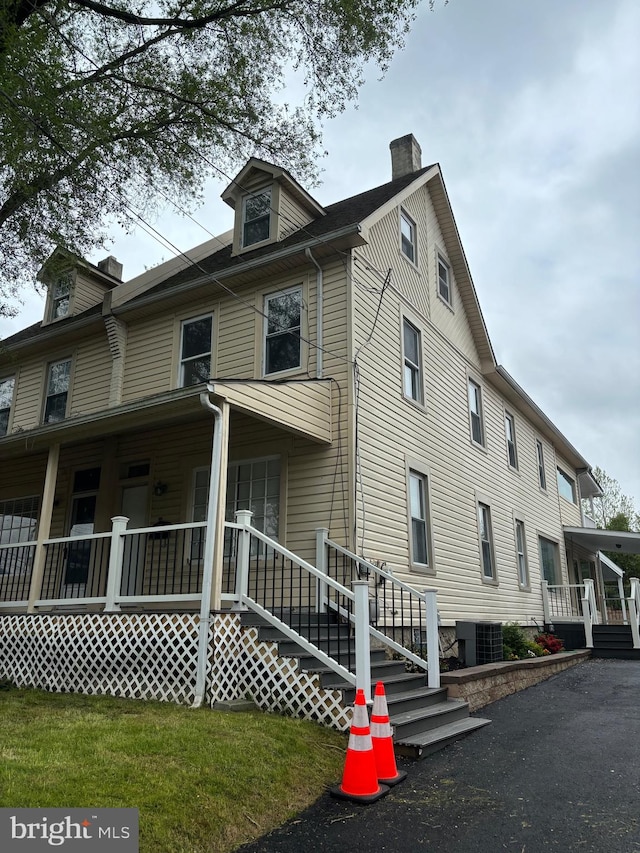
[256, 218]
[60, 292]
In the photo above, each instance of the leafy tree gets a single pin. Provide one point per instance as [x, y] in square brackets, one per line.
[630, 563]
[612, 503]
[115, 107]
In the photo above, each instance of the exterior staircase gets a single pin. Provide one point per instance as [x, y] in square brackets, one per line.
[614, 641]
[423, 719]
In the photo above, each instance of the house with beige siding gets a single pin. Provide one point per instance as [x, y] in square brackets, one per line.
[308, 400]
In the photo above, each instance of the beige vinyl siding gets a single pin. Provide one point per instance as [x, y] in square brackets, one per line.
[91, 376]
[149, 357]
[86, 294]
[28, 394]
[22, 476]
[419, 286]
[391, 431]
[292, 216]
[569, 512]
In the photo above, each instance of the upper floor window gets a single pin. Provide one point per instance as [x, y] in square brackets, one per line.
[408, 236]
[256, 218]
[195, 351]
[486, 542]
[475, 412]
[550, 560]
[444, 280]
[521, 551]
[60, 292]
[411, 343]
[418, 503]
[55, 407]
[542, 477]
[283, 314]
[6, 399]
[510, 435]
[566, 486]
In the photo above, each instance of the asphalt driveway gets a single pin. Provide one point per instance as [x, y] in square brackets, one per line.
[558, 770]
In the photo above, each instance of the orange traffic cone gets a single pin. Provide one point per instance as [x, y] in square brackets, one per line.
[382, 740]
[359, 780]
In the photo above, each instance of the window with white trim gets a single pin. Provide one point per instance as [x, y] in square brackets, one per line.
[521, 554]
[18, 523]
[60, 296]
[475, 412]
[7, 387]
[408, 236]
[444, 280]
[256, 217]
[510, 435]
[418, 514]
[542, 477]
[549, 560]
[282, 329]
[195, 350]
[412, 354]
[58, 379]
[486, 542]
[254, 484]
[566, 486]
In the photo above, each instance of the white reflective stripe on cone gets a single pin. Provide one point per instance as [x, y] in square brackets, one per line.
[380, 730]
[360, 743]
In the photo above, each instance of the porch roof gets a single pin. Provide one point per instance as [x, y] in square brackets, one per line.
[302, 407]
[603, 540]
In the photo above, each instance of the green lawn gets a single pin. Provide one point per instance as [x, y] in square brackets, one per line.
[203, 780]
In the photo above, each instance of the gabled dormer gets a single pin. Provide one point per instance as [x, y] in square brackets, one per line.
[73, 284]
[269, 205]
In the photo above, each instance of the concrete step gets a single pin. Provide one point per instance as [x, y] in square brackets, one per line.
[424, 744]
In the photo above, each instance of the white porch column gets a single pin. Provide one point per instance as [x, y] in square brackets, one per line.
[44, 525]
[243, 516]
[363, 654]
[221, 501]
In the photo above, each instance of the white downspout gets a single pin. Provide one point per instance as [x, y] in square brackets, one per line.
[319, 312]
[209, 550]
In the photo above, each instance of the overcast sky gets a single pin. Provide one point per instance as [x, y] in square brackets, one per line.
[532, 109]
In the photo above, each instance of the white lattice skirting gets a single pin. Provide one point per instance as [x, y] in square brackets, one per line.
[153, 656]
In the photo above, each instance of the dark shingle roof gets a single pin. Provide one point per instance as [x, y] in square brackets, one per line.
[339, 215]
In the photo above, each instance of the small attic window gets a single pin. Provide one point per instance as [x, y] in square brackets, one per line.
[256, 218]
[60, 296]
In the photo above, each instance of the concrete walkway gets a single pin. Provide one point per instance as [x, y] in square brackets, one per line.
[558, 770]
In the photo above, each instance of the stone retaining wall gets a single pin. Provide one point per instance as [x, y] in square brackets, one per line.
[481, 685]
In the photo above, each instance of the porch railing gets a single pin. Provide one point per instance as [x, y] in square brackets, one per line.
[403, 619]
[571, 603]
[633, 603]
[16, 567]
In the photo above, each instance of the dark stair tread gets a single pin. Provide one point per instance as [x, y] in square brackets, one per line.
[428, 711]
[376, 665]
[418, 693]
[450, 730]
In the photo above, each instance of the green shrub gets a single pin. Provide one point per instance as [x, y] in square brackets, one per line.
[515, 645]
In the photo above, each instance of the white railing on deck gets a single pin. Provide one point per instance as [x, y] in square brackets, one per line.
[633, 603]
[571, 603]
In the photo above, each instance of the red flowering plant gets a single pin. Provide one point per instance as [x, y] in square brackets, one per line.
[550, 643]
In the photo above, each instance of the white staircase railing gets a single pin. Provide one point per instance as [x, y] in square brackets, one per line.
[406, 620]
[633, 604]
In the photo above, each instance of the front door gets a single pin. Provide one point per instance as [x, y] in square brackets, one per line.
[135, 506]
[76, 574]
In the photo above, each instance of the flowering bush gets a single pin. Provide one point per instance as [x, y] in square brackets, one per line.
[550, 643]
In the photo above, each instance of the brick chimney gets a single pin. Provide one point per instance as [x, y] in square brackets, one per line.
[111, 266]
[406, 156]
